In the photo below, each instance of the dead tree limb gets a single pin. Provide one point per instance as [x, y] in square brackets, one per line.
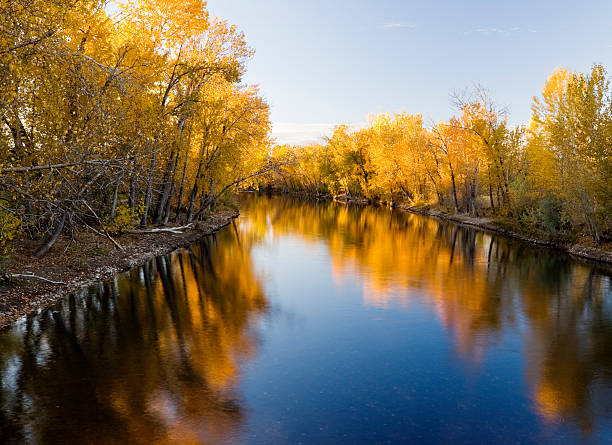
[30, 275]
[175, 230]
[102, 233]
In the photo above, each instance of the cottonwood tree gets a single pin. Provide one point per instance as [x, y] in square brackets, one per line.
[102, 114]
[552, 175]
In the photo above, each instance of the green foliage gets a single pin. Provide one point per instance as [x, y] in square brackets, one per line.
[523, 199]
[547, 216]
[551, 211]
[529, 220]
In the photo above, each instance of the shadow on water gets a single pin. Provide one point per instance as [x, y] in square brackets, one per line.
[158, 354]
[151, 356]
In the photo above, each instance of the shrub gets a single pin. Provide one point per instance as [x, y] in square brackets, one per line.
[125, 219]
[530, 219]
[10, 228]
[551, 209]
[548, 215]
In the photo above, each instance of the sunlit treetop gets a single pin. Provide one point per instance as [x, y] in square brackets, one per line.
[168, 22]
[552, 95]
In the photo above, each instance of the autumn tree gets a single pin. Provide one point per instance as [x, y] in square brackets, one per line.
[101, 112]
[571, 136]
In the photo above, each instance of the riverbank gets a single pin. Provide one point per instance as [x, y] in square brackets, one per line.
[88, 260]
[580, 250]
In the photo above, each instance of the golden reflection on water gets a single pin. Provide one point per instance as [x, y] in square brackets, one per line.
[152, 357]
[478, 285]
[156, 355]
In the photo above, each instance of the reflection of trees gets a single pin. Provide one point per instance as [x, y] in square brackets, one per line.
[154, 356]
[570, 364]
[479, 284]
[150, 357]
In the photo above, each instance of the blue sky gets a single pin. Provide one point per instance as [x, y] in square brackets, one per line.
[320, 63]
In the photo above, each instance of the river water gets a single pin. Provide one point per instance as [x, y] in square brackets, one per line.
[319, 323]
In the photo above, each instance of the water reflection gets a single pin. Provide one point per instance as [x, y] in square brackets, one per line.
[150, 357]
[482, 288]
[160, 354]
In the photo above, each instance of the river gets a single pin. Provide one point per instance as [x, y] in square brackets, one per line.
[308, 322]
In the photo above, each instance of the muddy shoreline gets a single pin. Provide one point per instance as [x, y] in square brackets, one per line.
[88, 261]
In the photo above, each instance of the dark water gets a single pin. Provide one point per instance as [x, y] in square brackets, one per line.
[318, 323]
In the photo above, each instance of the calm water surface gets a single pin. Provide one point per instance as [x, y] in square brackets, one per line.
[318, 323]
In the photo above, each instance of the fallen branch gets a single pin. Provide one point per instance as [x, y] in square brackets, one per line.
[30, 275]
[175, 230]
[103, 233]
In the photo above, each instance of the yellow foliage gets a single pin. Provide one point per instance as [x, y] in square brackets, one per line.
[125, 219]
[142, 100]
[10, 228]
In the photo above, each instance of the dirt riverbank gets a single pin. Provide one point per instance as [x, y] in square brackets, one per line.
[584, 251]
[88, 260]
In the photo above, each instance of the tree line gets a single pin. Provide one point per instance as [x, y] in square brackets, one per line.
[552, 176]
[119, 114]
[132, 112]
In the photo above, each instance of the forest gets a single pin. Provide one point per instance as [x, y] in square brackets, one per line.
[551, 177]
[133, 113]
[120, 114]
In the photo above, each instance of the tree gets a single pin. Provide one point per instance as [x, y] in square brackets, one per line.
[572, 121]
[99, 109]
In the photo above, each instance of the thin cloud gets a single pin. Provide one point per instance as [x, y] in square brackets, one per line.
[389, 25]
[487, 31]
[500, 31]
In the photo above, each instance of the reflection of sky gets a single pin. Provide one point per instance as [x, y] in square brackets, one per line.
[323, 324]
[370, 334]
[351, 368]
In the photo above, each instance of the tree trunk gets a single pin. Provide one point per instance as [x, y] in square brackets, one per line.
[149, 191]
[168, 182]
[589, 218]
[132, 194]
[491, 194]
[114, 204]
[454, 188]
[194, 192]
[52, 237]
[474, 192]
[168, 205]
[179, 205]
